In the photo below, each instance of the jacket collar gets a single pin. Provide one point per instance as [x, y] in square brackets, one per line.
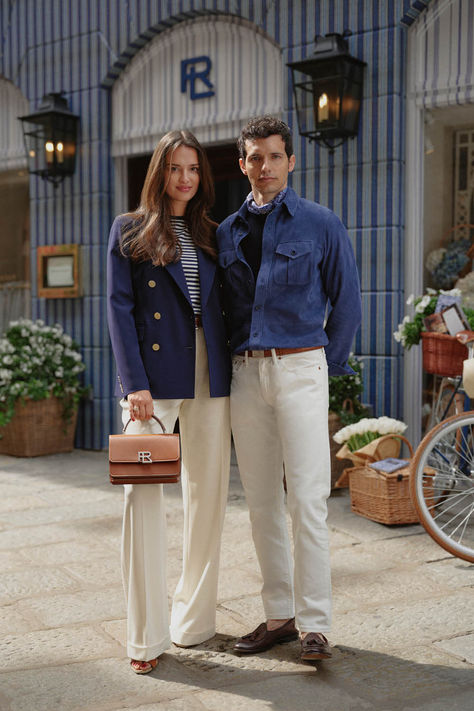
[290, 201]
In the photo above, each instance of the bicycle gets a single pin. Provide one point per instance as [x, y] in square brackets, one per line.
[442, 477]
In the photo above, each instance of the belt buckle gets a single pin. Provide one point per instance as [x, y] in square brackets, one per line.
[258, 354]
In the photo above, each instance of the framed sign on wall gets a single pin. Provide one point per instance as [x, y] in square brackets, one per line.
[58, 271]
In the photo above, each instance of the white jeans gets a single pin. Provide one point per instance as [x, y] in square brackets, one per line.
[205, 444]
[279, 417]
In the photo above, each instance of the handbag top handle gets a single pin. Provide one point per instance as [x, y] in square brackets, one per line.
[154, 417]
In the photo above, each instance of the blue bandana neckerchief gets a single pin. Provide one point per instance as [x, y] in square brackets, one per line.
[264, 209]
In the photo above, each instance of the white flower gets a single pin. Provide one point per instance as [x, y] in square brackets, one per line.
[387, 425]
[421, 306]
[380, 425]
[451, 292]
[410, 299]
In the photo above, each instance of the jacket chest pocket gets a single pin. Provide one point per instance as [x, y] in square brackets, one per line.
[293, 263]
[235, 272]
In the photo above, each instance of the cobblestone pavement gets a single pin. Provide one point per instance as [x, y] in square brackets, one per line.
[403, 610]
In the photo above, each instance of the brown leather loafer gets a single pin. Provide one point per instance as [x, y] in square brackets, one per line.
[262, 638]
[315, 646]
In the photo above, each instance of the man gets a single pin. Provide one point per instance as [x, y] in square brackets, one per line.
[284, 260]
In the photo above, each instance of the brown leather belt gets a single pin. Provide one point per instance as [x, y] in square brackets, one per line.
[198, 321]
[278, 351]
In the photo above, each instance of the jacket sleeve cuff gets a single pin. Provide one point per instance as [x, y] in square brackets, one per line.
[339, 369]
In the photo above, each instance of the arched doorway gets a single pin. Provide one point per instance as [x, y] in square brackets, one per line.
[208, 75]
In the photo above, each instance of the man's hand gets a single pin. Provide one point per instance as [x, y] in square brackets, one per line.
[141, 405]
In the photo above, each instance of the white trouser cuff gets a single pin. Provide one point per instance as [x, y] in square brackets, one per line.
[144, 654]
[190, 639]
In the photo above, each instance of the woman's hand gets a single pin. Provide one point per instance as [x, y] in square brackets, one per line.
[140, 404]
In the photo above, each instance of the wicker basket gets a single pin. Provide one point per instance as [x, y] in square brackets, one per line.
[38, 428]
[442, 354]
[380, 496]
[337, 465]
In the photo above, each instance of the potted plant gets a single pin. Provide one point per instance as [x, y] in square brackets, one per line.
[40, 389]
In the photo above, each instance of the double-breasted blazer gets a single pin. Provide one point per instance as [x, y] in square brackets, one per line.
[152, 326]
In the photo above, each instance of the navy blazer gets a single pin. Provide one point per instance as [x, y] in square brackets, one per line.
[152, 329]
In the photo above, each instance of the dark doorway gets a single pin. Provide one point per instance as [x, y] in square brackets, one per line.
[230, 184]
[136, 172]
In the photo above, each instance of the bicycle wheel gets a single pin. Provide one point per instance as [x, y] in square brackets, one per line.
[442, 484]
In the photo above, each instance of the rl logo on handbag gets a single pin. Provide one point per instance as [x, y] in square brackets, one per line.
[144, 458]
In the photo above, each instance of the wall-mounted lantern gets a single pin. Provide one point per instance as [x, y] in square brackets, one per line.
[51, 139]
[328, 90]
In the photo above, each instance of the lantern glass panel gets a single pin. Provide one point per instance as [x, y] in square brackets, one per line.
[352, 95]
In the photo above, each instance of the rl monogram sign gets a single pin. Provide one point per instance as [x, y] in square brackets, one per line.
[192, 70]
[144, 457]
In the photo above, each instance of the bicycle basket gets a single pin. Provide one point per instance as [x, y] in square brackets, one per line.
[442, 354]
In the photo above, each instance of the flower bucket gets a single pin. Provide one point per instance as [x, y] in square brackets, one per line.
[380, 448]
[37, 429]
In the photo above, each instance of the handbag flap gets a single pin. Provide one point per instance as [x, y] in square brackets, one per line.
[144, 449]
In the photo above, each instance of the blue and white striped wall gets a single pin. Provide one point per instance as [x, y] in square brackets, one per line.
[85, 48]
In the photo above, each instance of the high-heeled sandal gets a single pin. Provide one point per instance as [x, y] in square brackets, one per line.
[140, 667]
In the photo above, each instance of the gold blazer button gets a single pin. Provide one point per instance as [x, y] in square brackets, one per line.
[157, 315]
[156, 346]
[151, 283]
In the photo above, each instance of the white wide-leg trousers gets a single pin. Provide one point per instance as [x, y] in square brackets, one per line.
[205, 444]
[279, 417]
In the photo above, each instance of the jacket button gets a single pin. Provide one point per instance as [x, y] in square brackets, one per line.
[151, 283]
[157, 315]
[156, 346]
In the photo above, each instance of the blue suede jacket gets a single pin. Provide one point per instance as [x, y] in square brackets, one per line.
[307, 270]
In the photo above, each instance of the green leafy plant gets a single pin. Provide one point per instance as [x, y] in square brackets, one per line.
[36, 362]
[410, 329]
[345, 392]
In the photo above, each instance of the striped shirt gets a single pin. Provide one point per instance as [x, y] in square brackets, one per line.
[189, 261]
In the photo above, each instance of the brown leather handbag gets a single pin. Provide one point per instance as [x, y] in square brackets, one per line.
[144, 458]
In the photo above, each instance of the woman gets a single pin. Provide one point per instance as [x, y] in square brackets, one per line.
[169, 343]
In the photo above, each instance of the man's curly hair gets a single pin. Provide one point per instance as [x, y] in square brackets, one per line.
[262, 127]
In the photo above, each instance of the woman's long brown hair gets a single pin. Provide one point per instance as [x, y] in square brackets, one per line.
[150, 234]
